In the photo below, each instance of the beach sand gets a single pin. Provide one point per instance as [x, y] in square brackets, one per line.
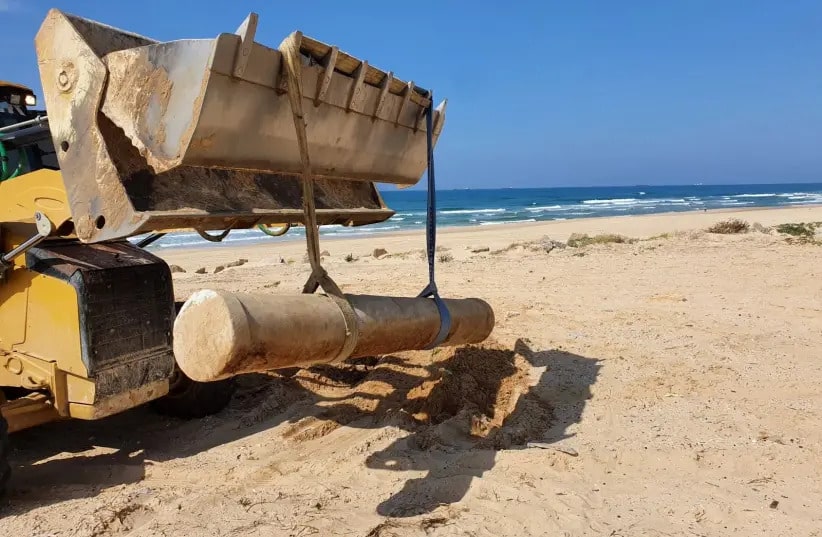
[668, 386]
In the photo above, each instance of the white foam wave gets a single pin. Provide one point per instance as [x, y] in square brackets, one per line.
[498, 222]
[611, 204]
[614, 201]
[546, 208]
[803, 194]
[769, 195]
[473, 211]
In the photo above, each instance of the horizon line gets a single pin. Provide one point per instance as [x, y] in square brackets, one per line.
[423, 188]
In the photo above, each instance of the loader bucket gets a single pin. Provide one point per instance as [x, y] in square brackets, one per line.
[199, 133]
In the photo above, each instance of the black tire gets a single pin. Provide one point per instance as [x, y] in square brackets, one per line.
[5, 469]
[189, 399]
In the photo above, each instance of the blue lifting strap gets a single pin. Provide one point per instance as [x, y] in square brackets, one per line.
[431, 232]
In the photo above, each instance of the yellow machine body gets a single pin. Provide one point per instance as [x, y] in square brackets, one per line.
[86, 317]
[44, 316]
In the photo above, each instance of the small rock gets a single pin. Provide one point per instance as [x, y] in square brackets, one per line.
[200, 270]
[774, 504]
[176, 268]
[547, 245]
[480, 250]
[219, 268]
[379, 252]
[238, 263]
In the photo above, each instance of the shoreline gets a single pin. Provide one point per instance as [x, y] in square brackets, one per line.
[497, 236]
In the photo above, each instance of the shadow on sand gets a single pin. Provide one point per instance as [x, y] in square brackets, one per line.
[458, 410]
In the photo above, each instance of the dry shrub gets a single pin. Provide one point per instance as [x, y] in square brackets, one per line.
[729, 227]
[577, 240]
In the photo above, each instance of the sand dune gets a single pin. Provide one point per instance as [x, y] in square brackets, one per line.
[668, 386]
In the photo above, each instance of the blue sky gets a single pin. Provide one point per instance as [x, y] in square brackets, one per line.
[550, 93]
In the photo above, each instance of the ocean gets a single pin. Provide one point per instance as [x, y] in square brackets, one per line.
[490, 207]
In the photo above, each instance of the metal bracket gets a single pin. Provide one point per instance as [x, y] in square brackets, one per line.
[44, 229]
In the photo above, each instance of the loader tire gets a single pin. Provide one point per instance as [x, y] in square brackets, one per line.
[5, 469]
[189, 399]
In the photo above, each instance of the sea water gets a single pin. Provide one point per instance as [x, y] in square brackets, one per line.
[490, 207]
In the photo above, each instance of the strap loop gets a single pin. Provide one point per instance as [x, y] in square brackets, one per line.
[352, 332]
[290, 49]
[431, 232]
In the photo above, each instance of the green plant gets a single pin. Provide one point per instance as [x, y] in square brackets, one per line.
[799, 230]
[802, 233]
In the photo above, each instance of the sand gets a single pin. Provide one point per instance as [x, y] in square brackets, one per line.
[668, 386]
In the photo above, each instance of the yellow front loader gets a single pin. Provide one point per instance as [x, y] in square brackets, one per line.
[140, 138]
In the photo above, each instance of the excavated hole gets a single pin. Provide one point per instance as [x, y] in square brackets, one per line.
[474, 394]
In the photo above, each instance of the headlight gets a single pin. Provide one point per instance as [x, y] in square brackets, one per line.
[31, 100]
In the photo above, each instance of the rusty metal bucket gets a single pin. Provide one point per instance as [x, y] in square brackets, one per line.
[199, 133]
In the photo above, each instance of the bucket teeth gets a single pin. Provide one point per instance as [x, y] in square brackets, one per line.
[246, 31]
[200, 133]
